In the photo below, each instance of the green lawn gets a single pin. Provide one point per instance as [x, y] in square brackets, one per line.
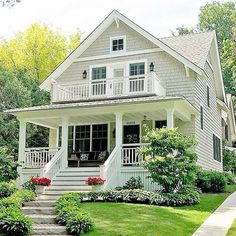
[113, 219]
[232, 230]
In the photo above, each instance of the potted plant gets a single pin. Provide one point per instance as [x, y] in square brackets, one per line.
[95, 182]
[40, 183]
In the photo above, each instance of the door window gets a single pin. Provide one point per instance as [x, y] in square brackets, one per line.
[131, 134]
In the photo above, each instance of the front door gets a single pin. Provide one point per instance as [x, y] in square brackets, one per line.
[131, 134]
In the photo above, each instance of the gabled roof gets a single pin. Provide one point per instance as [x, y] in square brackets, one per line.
[194, 47]
[114, 16]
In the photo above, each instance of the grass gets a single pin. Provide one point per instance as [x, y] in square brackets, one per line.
[116, 219]
[232, 230]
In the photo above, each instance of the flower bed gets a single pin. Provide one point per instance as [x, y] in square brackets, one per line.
[41, 181]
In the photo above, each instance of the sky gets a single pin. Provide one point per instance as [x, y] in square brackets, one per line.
[69, 16]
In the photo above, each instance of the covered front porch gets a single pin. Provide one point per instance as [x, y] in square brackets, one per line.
[101, 134]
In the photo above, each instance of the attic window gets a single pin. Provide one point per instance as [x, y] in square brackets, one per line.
[117, 44]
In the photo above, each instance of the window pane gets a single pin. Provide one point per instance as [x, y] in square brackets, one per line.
[99, 73]
[137, 69]
[160, 124]
[99, 142]
[117, 44]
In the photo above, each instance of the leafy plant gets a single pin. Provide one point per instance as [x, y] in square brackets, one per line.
[134, 183]
[79, 223]
[8, 166]
[41, 181]
[170, 159]
[229, 160]
[7, 188]
[95, 181]
[211, 181]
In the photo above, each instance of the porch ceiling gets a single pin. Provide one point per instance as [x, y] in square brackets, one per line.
[152, 107]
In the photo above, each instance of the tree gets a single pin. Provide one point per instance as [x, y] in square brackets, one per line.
[37, 50]
[220, 17]
[183, 30]
[8, 3]
[170, 159]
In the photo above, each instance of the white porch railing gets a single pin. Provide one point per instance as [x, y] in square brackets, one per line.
[110, 171]
[130, 155]
[110, 87]
[54, 166]
[39, 157]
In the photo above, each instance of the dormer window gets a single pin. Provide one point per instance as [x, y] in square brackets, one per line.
[118, 44]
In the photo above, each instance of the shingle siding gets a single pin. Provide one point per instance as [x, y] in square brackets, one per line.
[134, 41]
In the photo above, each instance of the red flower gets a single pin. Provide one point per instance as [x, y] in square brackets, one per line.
[95, 181]
[41, 181]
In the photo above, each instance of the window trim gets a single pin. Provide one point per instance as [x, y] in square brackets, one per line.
[117, 38]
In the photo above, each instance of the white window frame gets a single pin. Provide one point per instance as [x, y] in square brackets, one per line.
[117, 38]
[221, 149]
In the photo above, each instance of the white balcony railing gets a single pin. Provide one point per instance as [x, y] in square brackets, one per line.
[110, 87]
[39, 157]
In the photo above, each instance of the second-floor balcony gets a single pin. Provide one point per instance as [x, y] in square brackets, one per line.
[109, 88]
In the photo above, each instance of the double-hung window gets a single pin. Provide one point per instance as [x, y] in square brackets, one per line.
[136, 80]
[98, 86]
[99, 73]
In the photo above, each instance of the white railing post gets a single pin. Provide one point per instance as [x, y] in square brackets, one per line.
[119, 128]
[64, 141]
[22, 141]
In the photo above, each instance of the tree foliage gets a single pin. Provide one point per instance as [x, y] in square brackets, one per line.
[170, 159]
[229, 161]
[8, 3]
[37, 50]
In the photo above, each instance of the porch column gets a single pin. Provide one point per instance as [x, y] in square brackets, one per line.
[119, 129]
[64, 140]
[21, 151]
[170, 118]
[22, 141]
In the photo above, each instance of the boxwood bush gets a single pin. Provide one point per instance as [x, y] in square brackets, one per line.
[12, 220]
[211, 181]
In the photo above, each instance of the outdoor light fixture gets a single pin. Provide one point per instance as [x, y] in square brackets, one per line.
[151, 67]
[84, 74]
[144, 117]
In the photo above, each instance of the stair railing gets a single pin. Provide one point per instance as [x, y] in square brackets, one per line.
[110, 170]
[53, 167]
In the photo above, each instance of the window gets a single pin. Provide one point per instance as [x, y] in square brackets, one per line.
[118, 44]
[70, 139]
[137, 69]
[216, 148]
[82, 138]
[99, 73]
[160, 124]
[208, 96]
[99, 137]
[226, 132]
[201, 117]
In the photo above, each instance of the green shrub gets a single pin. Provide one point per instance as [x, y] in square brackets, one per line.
[24, 195]
[8, 170]
[14, 223]
[170, 159]
[29, 185]
[211, 181]
[69, 213]
[133, 183]
[230, 178]
[229, 160]
[79, 223]
[7, 188]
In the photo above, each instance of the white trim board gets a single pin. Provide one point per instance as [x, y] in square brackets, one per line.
[109, 56]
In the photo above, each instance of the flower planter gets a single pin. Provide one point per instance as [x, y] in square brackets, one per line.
[96, 187]
[39, 189]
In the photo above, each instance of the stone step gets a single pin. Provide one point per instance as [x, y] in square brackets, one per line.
[45, 197]
[43, 219]
[38, 210]
[38, 203]
[67, 188]
[69, 183]
[80, 169]
[60, 193]
[78, 174]
[70, 178]
[49, 229]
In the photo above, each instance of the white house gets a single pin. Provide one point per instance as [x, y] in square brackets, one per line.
[120, 78]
